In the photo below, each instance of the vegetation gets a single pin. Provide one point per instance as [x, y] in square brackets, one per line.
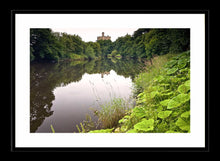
[51, 46]
[45, 77]
[144, 43]
[112, 112]
[162, 92]
[52, 129]
[163, 105]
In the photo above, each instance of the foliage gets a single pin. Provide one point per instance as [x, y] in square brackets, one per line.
[114, 52]
[50, 46]
[144, 43]
[178, 100]
[106, 47]
[145, 125]
[89, 52]
[164, 114]
[77, 57]
[108, 116]
[154, 71]
[102, 131]
[44, 45]
[164, 104]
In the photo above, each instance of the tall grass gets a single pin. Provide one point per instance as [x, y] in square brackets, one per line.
[111, 112]
[151, 71]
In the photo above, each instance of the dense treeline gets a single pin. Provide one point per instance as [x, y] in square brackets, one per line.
[48, 45]
[144, 43]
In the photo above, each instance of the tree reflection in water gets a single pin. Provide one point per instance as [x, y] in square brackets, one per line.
[45, 77]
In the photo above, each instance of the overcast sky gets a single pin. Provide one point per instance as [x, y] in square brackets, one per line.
[90, 34]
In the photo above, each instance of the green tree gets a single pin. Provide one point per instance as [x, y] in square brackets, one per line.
[96, 47]
[140, 32]
[43, 45]
[106, 47]
[180, 39]
[89, 52]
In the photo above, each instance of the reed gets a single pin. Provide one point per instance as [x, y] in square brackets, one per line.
[51, 126]
[111, 112]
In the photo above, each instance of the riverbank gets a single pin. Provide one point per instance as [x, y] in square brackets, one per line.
[162, 98]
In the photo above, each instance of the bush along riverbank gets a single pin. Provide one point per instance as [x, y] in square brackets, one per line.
[162, 98]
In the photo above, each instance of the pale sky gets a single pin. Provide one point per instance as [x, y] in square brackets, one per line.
[90, 34]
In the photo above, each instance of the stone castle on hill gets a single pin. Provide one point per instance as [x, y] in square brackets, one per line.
[103, 37]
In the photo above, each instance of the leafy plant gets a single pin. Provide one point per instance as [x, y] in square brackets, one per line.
[145, 125]
[183, 88]
[178, 100]
[172, 71]
[164, 114]
[102, 131]
[163, 103]
[184, 125]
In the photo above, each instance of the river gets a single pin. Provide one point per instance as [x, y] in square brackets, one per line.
[62, 94]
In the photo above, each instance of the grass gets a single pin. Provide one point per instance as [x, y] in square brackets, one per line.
[143, 79]
[163, 105]
[162, 94]
[51, 126]
[162, 100]
[112, 112]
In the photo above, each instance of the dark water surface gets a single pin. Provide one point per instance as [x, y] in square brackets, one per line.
[62, 94]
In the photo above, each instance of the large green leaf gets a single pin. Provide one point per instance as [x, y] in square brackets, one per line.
[153, 94]
[101, 131]
[171, 63]
[159, 78]
[171, 131]
[185, 114]
[139, 112]
[182, 63]
[145, 125]
[183, 88]
[183, 124]
[132, 131]
[124, 119]
[172, 70]
[165, 102]
[164, 114]
[187, 83]
[178, 100]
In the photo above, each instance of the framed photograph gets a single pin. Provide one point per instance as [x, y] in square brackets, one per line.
[110, 80]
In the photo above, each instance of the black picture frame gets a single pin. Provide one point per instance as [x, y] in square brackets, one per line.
[110, 149]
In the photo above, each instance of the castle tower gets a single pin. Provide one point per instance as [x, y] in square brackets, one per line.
[103, 37]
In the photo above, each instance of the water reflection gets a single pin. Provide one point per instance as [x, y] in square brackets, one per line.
[77, 85]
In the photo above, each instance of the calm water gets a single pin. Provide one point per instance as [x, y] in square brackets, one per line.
[62, 94]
